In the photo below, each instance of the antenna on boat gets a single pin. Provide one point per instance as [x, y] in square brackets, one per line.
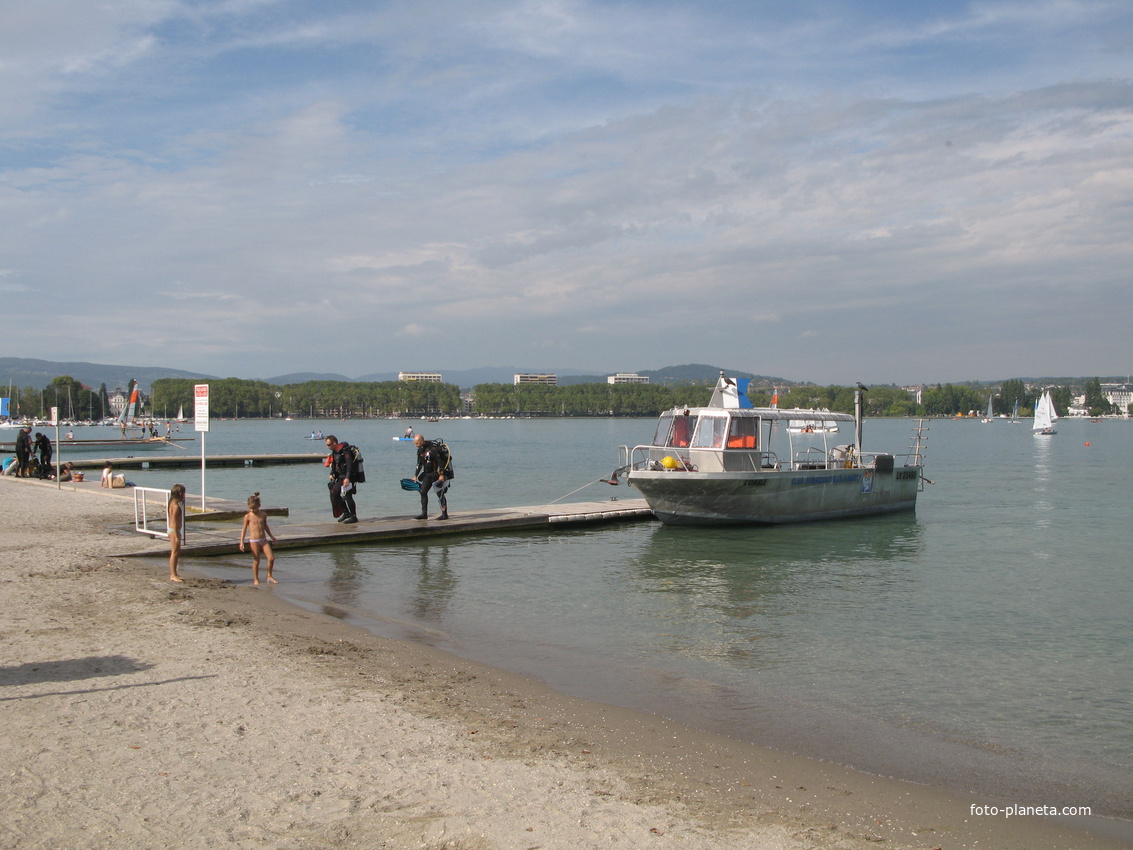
[859, 393]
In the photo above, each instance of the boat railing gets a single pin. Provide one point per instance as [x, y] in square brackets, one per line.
[700, 459]
[684, 459]
[817, 458]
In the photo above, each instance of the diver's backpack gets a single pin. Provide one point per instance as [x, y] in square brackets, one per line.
[444, 458]
[359, 469]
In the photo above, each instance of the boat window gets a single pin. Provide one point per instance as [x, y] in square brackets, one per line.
[664, 426]
[710, 432]
[743, 433]
[683, 426]
[674, 430]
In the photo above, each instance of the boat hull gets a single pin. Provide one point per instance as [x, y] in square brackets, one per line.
[678, 497]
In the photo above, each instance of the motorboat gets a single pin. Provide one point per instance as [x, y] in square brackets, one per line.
[732, 463]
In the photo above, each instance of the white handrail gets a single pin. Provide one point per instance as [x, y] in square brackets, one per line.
[142, 517]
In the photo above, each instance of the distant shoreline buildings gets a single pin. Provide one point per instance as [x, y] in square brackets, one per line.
[536, 378]
[627, 378]
[428, 377]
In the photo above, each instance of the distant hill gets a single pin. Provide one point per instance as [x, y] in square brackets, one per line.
[25, 372]
[700, 373]
[303, 377]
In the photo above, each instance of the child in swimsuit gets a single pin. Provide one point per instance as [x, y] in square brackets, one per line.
[174, 523]
[256, 528]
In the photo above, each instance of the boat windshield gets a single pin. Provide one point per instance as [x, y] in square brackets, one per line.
[706, 430]
[674, 429]
[710, 431]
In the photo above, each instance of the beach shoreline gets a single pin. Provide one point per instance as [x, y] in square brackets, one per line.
[206, 714]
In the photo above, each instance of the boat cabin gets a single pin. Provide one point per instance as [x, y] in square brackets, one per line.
[707, 439]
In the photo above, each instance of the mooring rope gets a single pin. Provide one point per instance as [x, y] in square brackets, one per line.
[611, 480]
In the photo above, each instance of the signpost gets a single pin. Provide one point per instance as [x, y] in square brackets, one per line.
[201, 423]
[55, 422]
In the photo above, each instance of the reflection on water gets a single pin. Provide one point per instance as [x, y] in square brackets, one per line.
[347, 577]
[741, 597]
[777, 551]
[436, 583]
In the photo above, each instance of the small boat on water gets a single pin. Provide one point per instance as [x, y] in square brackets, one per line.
[990, 416]
[732, 463]
[1045, 416]
[811, 426]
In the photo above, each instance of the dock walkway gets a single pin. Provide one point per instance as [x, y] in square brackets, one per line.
[85, 462]
[214, 536]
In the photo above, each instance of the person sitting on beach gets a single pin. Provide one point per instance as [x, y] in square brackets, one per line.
[107, 475]
[256, 528]
[67, 471]
[175, 526]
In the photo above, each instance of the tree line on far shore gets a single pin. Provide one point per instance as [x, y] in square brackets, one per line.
[249, 399]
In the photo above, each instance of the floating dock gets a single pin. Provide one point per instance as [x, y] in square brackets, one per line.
[181, 461]
[211, 535]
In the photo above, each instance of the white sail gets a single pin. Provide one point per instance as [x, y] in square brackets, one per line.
[126, 417]
[1044, 415]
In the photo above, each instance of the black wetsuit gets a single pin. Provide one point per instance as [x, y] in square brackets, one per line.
[428, 473]
[23, 452]
[43, 446]
[343, 470]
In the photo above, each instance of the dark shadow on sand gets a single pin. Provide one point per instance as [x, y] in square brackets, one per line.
[70, 669]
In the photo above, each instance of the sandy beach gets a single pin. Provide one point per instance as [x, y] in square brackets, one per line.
[142, 713]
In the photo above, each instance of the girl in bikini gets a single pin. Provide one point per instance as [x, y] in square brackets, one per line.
[256, 529]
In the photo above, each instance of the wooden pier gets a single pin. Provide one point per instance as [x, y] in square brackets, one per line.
[182, 461]
[212, 535]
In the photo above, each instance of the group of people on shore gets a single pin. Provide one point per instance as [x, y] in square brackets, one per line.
[433, 473]
[255, 529]
[33, 456]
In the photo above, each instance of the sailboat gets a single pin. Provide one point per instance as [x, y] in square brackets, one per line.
[989, 413]
[1044, 416]
[126, 417]
[1015, 413]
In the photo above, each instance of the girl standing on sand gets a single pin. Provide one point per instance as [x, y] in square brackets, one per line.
[256, 528]
[174, 524]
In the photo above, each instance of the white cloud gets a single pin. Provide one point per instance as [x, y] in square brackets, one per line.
[521, 171]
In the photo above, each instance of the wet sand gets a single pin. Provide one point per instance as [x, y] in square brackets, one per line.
[138, 712]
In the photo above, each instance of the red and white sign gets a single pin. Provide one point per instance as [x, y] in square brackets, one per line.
[201, 406]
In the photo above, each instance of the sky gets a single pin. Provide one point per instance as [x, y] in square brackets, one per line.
[824, 190]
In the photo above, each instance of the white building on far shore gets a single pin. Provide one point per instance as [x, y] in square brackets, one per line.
[627, 378]
[1119, 395]
[536, 378]
[429, 377]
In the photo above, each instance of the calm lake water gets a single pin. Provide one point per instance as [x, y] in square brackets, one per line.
[984, 642]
